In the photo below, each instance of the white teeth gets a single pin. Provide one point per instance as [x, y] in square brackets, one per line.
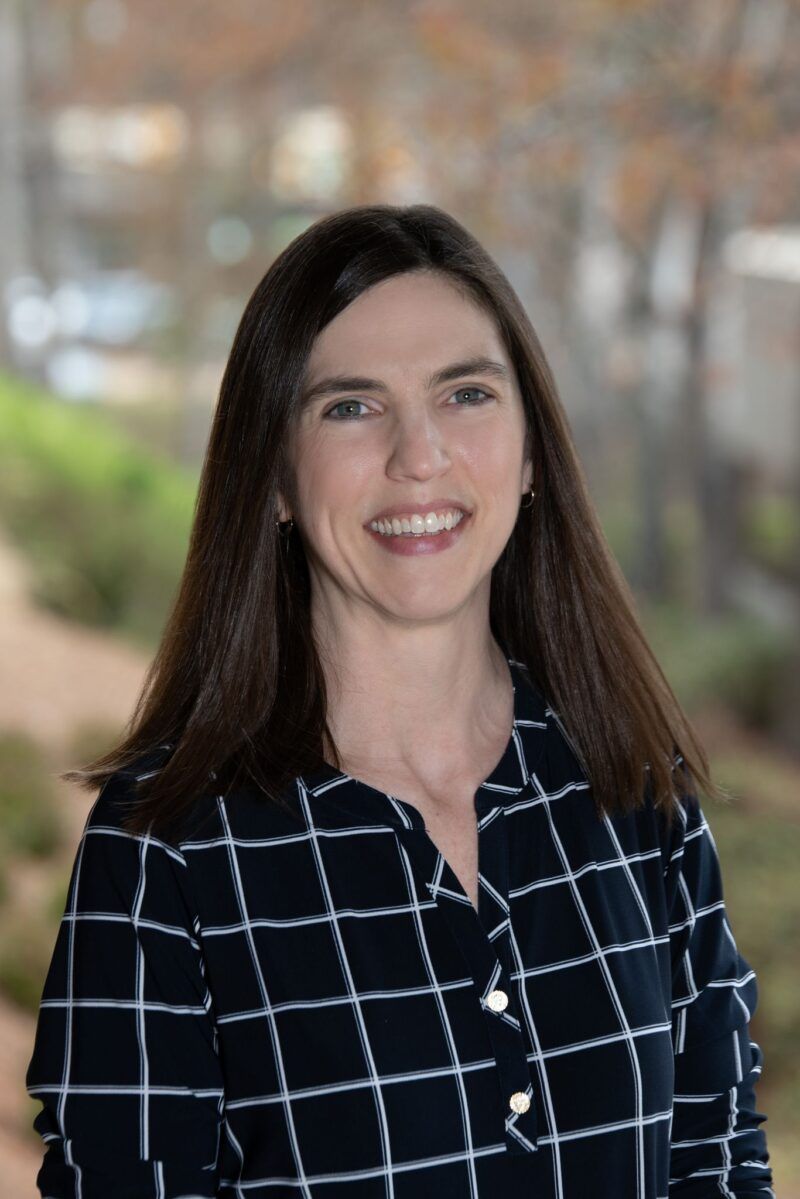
[432, 522]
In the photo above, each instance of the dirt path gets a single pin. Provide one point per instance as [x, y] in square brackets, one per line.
[55, 675]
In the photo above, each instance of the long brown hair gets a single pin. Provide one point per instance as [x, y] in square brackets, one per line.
[236, 692]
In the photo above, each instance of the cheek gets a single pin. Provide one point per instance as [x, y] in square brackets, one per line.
[333, 474]
[494, 463]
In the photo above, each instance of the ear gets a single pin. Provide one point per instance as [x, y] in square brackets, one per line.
[527, 474]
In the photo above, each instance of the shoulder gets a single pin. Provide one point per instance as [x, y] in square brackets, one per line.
[678, 828]
[122, 788]
[129, 785]
[122, 792]
[130, 872]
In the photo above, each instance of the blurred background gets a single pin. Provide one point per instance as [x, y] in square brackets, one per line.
[633, 166]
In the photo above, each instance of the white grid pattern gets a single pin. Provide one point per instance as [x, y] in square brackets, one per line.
[297, 1006]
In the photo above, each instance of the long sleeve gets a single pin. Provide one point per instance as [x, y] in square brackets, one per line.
[125, 1059]
[717, 1147]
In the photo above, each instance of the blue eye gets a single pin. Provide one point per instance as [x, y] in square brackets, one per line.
[341, 404]
[469, 403]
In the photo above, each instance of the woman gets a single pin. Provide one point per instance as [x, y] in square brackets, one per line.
[399, 885]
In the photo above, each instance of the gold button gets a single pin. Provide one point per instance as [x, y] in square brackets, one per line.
[519, 1101]
[497, 1001]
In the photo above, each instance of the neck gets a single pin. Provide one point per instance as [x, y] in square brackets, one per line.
[411, 710]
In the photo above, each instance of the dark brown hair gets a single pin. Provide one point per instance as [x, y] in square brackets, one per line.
[236, 691]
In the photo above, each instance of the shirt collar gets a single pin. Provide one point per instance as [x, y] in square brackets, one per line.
[332, 792]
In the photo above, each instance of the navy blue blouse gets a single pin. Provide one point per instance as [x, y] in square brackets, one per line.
[308, 1004]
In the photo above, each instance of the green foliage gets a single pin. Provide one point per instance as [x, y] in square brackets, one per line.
[26, 947]
[735, 660]
[103, 523]
[27, 937]
[759, 853]
[30, 830]
[771, 532]
[29, 822]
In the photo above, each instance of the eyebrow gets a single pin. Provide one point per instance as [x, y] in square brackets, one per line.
[455, 370]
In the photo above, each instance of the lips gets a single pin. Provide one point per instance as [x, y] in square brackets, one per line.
[421, 545]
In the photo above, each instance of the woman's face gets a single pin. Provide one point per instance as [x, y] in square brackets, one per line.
[389, 435]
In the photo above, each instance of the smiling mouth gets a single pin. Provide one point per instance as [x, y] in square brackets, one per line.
[430, 525]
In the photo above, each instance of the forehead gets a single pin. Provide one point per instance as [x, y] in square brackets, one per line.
[408, 324]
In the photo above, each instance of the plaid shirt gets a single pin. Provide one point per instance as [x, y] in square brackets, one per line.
[309, 1005]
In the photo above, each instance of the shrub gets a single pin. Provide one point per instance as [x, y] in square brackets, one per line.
[103, 523]
[734, 660]
[29, 822]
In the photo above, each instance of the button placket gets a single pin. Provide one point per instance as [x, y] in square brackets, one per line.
[485, 958]
[497, 998]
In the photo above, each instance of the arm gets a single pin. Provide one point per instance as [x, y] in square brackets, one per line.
[717, 1147]
[124, 1057]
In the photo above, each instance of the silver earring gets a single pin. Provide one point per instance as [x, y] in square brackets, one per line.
[288, 526]
[530, 505]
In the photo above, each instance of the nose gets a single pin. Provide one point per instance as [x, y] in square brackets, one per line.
[418, 448]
